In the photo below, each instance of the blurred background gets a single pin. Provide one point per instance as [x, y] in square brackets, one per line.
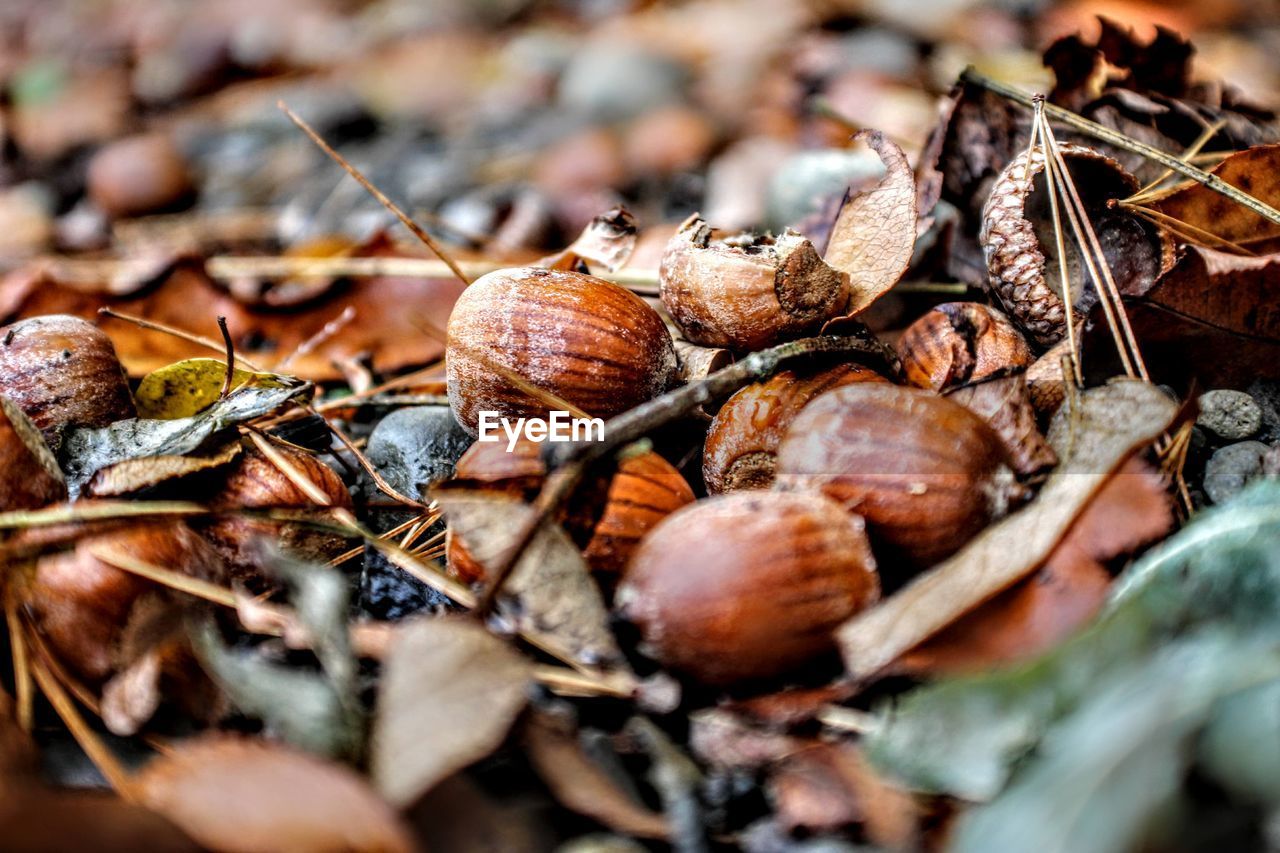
[504, 124]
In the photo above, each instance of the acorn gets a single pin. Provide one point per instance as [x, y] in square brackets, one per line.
[607, 517]
[29, 473]
[1017, 237]
[139, 174]
[924, 472]
[742, 441]
[63, 373]
[254, 482]
[82, 604]
[973, 355]
[583, 340]
[748, 585]
[747, 292]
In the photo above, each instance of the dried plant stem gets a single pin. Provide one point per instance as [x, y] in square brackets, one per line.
[97, 511]
[414, 228]
[23, 697]
[1119, 140]
[1202, 140]
[326, 332]
[378, 480]
[230, 356]
[101, 756]
[200, 340]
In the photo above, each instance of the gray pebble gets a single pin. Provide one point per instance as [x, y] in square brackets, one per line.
[1229, 414]
[613, 82]
[416, 446]
[805, 180]
[1232, 468]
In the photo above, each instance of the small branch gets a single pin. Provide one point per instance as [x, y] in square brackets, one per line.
[414, 228]
[1119, 140]
[181, 334]
[231, 358]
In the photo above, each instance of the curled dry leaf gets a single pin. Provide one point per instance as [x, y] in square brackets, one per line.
[604, 245]
[248, 796]
[1211, 320]
[582, 785]
[875, 230]
[1132, 509]
[1256, 171]
[151, 475]
[554, 596]
[450, 693]
[1112, 421]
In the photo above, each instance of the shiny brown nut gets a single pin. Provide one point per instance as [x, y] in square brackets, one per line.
[973, 355]
[748, 585]
[139, 174]
[63, 373]
[925, 473]
[742, 441]
[746, 293]
[584, 340]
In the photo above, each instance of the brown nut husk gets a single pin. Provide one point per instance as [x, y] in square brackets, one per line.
[925, 473]
[254, 482]
[584, 340]
[81, 604]
[748, 585]
[29, 473]
[1018, 240]
[742, 442]
[606, 518]
[747, 293]
[63, 373]
[973, 355]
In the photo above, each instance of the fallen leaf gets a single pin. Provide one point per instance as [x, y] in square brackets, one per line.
[604, 245]
[554, 595]
[450, 693]
[247, 796]
[187, 387]
[1132, 509]
[1112, 421]
[33, 820]
[1256, 171]
[85, 451]
[875, 230]
[1212, 321]
[582, 785]
[151, 474]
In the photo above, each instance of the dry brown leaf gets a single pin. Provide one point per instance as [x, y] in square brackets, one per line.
[831, 785]
[1111, 422]
[450, 693]
[246, 796]
[875, 231]
[1255, 170]
[1132, 509]
[580, 784]
[604, 245]
[34, 820]
[147, 473]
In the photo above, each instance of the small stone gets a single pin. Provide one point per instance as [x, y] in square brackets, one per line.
[1229, 414]
[1232, 468]
[416, 446]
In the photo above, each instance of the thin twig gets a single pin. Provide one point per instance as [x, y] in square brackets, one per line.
[414, 228]
[326, 332]
[201, 340]
[231, 358]
[1119, 140]
[21, 662]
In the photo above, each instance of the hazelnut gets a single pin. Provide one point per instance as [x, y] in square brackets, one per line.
[63, 373]
[584, 340]
[748, 585]
[746, 293]
[926, 473]
[81, 604]
[29, 473]
[137, 175]
[742, 442]
[973, 355]
[254, 482]
[606, 518]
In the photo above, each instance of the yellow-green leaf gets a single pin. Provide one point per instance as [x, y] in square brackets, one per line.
[184, 388]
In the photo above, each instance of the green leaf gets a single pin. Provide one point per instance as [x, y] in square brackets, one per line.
[965, 736]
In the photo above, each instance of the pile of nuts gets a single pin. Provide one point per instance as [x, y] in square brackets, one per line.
[826, 482]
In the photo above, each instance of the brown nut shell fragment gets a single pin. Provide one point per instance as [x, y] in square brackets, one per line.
[742, 442]
[748, 585]
[29, 473]
[747, 293]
